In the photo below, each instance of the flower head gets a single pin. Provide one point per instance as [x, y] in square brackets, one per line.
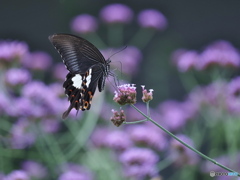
[75, 172]
[118, 118]
[17, 175]
[147, 96]
[126, 94]
[139, 162]
[186, 60]
[118, 140]
[84, 23]
[21, 136]
[15, 76]
[144, 135]
[34, 169]
[116, 13]
[37, 61]
[151, 18]
[221, 53]
[10, 50]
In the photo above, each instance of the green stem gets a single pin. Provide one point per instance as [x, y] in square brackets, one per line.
[188, 146]
[135, 122]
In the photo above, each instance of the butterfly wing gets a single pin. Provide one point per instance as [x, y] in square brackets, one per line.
[87, 66]
[77, 53]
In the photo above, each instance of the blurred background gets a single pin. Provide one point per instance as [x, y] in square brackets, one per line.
[187, 52]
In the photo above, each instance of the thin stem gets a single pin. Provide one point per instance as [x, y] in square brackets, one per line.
[135, 122]
[190, 147]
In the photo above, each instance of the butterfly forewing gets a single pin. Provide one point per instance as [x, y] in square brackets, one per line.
[87, 69]
[77, 53]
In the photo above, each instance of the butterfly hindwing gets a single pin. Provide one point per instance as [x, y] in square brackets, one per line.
[80, 89]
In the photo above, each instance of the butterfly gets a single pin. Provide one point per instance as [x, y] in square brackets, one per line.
[87, 69]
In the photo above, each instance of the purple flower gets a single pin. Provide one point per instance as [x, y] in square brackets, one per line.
[60, 71]
[139, 162]
[75, 172]
[50, 125]
[34, 169]
[148, 136]
[84, 23]
[130, 58]
[234, 87]
[175, 114]
[221, 53]
[151, 18]
[181, 154]
[57, 89]
[126, 94]
[118, 140]
[10, 50]
[22, 107]
[71, 175]
[21, 137]
[116, 13]
[17, 175]
[37, 61]
[42, 96]
[99, 135]
[213, 94]
[15, 76]
[2, 176]
[186, 60]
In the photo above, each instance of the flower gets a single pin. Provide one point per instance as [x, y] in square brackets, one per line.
[126, 94]
[17, 175]
[16, 76]
[147, 96]
[10, 50]
[38, 60]
[116, 13]
[34, 169]
[60, 71]
[145, 135]
[180, 153]
[50, 125]
[175, 114]
[21, 137]
[118, 118]
[129, 57]
[233, 87]
[72, 175]
[118, 140]
[151, 18]
[186, 60]
[99, 135]
[221, 53]
[84, 23]
[75, 172]
[139, 162]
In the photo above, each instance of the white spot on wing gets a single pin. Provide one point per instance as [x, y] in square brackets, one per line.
[88, 79]
[77, 81]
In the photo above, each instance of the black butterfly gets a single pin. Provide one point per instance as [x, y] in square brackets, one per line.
[87, 69]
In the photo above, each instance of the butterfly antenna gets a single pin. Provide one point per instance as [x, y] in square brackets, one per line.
[118, 52]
